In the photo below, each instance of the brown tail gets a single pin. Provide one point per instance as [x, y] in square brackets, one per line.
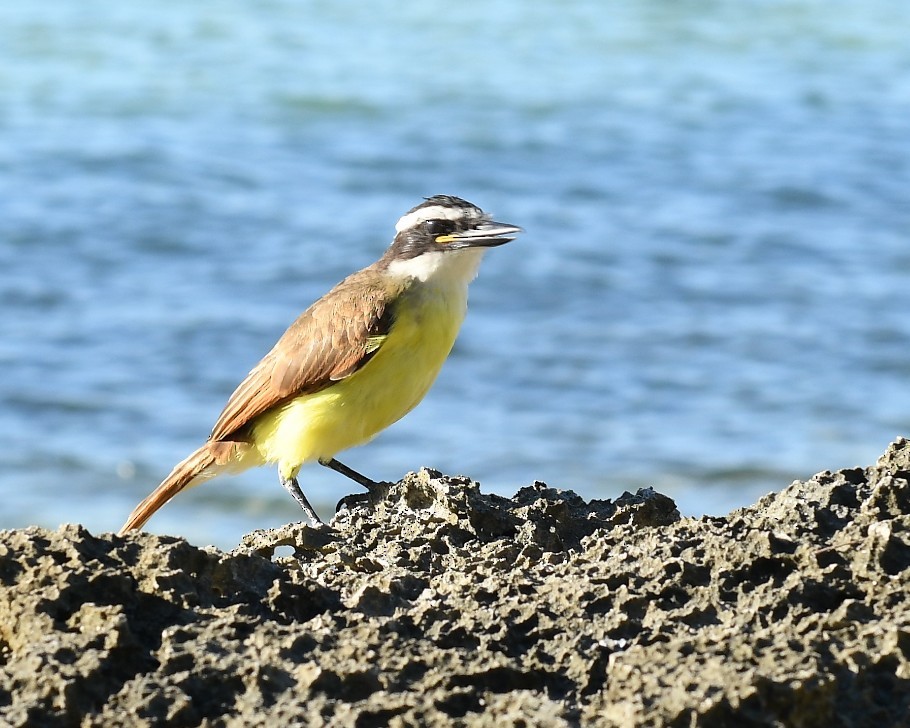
[181, 476]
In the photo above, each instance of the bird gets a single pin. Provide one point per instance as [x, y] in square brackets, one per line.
[354, 362]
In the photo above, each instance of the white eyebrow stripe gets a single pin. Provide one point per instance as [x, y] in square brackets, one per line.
[433, 212]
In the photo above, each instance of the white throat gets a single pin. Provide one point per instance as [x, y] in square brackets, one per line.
[440, 268]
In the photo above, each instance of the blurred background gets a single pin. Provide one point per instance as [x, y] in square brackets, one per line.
[711, 297]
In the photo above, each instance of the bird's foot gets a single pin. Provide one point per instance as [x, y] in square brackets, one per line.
[377, 491]
[376, 488]
[354, 500]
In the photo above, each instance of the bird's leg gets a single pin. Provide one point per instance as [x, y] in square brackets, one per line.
[351, 500]
[350, 473]
[292, 487]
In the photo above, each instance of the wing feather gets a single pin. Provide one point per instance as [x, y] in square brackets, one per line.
[329, 341]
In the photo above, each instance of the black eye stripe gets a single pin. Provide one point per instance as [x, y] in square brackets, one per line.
[439, 227]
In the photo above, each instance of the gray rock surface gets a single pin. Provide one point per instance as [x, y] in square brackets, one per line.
[445, 606]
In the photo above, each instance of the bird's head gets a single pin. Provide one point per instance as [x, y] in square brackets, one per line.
[444, 233]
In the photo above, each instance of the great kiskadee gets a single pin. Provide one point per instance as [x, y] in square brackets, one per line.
[354, 362]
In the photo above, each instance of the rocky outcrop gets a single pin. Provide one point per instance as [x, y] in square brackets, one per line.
[441, 605]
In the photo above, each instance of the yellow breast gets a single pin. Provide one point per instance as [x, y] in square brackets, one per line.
[353, 410]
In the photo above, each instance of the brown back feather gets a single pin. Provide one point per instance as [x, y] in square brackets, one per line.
[329, 341]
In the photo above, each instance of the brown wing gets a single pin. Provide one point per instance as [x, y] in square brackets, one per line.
[331, 340]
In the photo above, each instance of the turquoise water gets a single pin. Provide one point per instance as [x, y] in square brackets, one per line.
[711, 296]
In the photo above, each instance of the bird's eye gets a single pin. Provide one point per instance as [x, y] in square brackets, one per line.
[439, 227]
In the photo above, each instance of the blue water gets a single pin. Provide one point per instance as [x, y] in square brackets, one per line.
[711, 297]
